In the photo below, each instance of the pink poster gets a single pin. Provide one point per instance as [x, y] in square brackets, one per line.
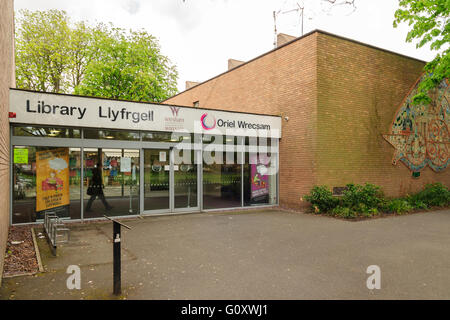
[258, 175]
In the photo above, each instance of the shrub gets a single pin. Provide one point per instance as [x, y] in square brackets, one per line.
[435, 194]
[416, 203]
[363, 198]
[322, 199]
[371, 212]
[399, 206]
[419, 205]
[344, 212]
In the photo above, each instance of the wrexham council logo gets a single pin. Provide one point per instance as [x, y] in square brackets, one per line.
[175, 111]
[208, 123]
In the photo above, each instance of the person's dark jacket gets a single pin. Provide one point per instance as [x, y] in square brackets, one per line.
[97, 180]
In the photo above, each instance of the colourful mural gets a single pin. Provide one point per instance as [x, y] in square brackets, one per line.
[420, 133]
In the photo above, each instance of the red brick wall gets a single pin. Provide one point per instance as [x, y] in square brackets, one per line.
[283, 81]
[359, 91]
[340, 97]
[6, 81]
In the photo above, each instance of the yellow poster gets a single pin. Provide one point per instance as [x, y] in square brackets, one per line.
[52, 178]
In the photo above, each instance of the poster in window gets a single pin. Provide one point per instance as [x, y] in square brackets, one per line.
[21, 155]
[125, 164]
[259, 177]
[52, 178]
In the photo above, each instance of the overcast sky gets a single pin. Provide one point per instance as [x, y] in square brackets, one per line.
[199, 36]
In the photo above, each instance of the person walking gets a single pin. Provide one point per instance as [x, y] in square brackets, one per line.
[96, 189]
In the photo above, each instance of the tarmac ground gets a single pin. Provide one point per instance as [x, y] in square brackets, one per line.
[264, 254]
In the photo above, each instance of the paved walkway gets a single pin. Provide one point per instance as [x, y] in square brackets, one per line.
[251, 255]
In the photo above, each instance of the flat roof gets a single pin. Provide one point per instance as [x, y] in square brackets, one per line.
[292, 41]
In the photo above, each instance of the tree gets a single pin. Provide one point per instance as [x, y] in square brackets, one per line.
[430, 24]
[82, 50]
[129, 66]
[55, 55]
[41, 50]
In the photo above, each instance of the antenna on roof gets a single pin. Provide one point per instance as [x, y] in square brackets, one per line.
[299, 8]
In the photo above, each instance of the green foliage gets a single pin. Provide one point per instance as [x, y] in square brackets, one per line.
[416, 203]
[344, 212]
[435, 194]
[362, 198]
[322, 199]
[368, 200]
[399, 206]
[430, 23]
[131, 67]
[41, 48]
[54, 55]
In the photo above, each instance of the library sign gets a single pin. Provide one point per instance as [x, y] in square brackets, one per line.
[37, 108]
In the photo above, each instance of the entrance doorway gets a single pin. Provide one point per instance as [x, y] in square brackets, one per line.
[171, 180]
[117, 182]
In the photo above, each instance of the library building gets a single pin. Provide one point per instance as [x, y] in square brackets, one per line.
[316, 110]
[82, 158]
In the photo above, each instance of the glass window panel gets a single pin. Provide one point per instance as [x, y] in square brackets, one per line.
[185, 178]
[166, 136]
[50, 132]
[156, 179]
[105, 134]
[222, 183]
[260, 179]
[111, 177]
[260, 141]
[52, 173]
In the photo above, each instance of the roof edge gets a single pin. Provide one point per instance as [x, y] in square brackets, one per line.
[292, 41]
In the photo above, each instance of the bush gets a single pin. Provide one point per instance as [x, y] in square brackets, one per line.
[435, 194]
[416, 203]
[322, 199]
[399, 206]
[367, 200]
[363, 198]
[344, 212]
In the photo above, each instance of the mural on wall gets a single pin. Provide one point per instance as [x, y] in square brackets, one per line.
[420, 133]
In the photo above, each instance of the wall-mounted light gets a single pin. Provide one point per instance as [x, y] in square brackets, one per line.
[286, 118]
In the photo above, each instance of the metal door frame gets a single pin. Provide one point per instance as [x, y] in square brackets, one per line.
[171, 208]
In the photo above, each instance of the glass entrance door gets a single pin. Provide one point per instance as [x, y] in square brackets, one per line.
[185, 179]
[111, 182]
[170, 181]
[157, 180]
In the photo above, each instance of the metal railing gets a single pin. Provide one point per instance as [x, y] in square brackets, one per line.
[55, 230]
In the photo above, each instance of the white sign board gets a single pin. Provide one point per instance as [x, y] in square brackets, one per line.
[37, 108]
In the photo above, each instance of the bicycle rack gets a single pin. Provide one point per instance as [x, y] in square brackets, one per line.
[55, 231]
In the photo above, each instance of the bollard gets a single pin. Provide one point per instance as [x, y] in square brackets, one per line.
[117, 263]
[116, 259]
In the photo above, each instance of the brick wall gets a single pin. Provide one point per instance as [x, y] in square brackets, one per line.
[359, 91]
[6, 81]
[282, 81]
[340, 97]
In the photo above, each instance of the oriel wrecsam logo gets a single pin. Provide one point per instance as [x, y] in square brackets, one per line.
[208, 123]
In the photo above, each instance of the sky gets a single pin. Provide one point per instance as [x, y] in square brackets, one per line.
[199, 36]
